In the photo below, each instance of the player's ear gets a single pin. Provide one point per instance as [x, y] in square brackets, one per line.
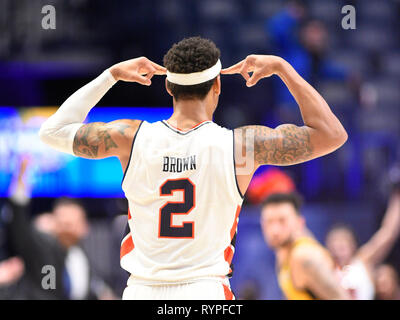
[166, 87]
[217, 85]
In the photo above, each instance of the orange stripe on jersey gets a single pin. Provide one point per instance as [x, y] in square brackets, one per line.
[235, 222]
[228, 293]
[127, 246]
[196, 125]
[229, 251]
[228, 254]
[129, 214]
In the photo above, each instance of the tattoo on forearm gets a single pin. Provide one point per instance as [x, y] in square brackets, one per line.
[90, 137]
[285, 145]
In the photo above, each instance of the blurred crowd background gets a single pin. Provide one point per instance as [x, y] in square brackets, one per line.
[356, 71]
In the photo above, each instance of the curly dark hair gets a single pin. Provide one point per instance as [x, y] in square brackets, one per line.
[189, 55]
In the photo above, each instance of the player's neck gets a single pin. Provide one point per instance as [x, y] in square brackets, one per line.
[188, 113]
[282, 254]
[284, 250]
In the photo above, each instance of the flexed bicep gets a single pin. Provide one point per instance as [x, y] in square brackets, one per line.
[285, 145]
[99, 140]
[92, 137]
[289, 144]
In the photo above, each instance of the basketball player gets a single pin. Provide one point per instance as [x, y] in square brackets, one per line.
[306, 270]
[179, 174]
[355, 266]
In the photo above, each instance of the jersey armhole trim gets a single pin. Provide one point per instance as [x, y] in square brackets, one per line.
[234, 165]
[130, 155]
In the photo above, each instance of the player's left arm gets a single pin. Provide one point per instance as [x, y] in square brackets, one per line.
[65, 130]
[314, 270]
[377, 248]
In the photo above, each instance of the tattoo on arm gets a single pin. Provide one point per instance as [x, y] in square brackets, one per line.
[287, 144]
[121, 127]
[91, 137]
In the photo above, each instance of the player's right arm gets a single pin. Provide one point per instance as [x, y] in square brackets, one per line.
[288, 144]
[66, 132]
[97, 140]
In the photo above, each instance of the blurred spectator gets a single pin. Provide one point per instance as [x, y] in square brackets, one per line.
[249, 290]
[53, 239]
[356, 265]
[386, 283]
[303, 43]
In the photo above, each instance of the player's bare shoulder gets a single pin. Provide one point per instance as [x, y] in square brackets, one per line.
[309, 256]
[125, 127]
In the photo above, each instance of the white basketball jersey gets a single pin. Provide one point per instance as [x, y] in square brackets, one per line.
[356, 279]
[184, 203]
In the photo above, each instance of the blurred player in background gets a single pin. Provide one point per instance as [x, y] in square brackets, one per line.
[355, 266]
[304, 42]
[181, 180]
[53, 239]
[306, 270]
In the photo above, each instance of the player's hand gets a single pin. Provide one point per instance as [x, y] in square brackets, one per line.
[20, 186]
[139, 70]
[11, 270]
[261, 66]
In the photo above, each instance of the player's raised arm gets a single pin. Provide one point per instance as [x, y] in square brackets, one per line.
[65, 131]
[288, 144]
[378, 247]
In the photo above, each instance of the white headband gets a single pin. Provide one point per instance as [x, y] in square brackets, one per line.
[189, 79]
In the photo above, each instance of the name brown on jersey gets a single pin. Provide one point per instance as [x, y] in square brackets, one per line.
[174, 164]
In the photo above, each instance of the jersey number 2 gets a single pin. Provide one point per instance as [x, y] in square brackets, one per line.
[166, 229]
